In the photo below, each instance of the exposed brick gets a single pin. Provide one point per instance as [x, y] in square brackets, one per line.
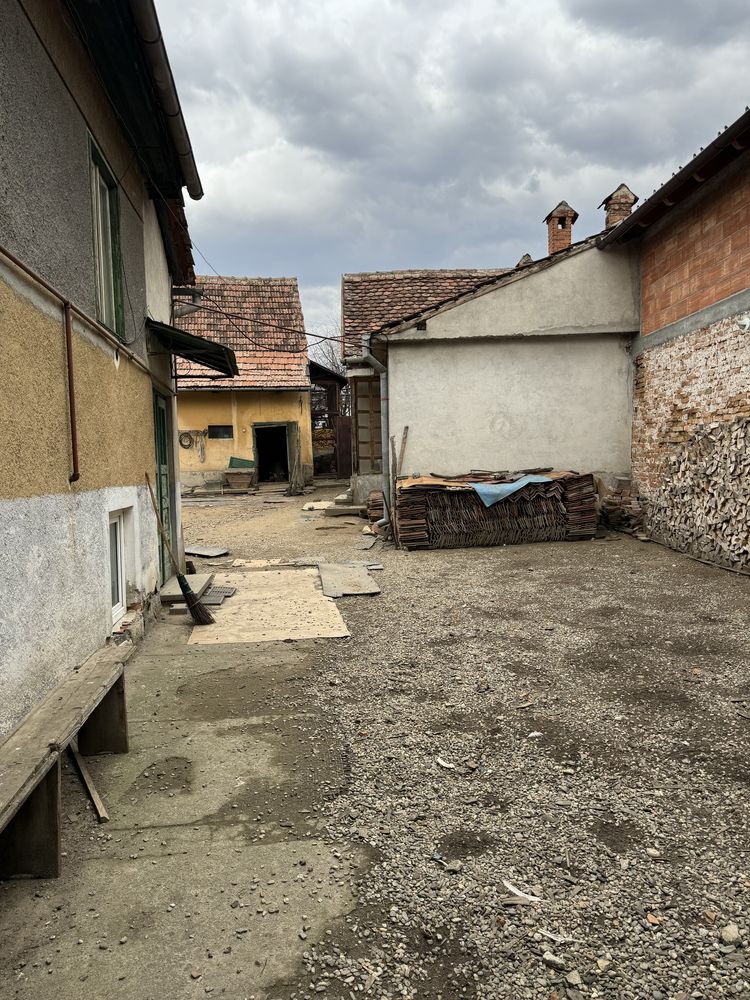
[699, 258]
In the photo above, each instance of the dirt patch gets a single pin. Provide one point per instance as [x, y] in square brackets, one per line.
[619, 836]
[463, 843]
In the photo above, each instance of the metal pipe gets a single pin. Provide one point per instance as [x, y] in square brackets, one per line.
[67, 312]
[147, 23]
[102, 331]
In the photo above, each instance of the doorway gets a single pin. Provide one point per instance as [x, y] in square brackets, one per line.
[271, 453]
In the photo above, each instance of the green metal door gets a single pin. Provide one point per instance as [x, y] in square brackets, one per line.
[163, 480]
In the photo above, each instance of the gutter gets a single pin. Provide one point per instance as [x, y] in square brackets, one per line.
[373, 363]
[152, 42]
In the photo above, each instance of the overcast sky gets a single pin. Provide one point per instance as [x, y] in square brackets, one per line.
[344, 135]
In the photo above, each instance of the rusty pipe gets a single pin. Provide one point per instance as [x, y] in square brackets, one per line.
[68, 314]
[95, 325]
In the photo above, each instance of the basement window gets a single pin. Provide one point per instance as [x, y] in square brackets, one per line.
[221, 432]
[107, 259]
[117, 565]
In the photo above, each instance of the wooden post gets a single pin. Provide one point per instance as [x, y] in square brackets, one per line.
[30, 844]
[106, 729]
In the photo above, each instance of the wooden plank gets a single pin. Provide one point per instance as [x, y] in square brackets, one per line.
[31, 750]
[88, 782]
[106, 728]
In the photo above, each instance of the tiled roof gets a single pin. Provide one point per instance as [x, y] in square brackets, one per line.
[264, 327]
[370, 300]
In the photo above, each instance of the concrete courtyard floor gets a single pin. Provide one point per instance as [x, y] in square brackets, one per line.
[339, 816]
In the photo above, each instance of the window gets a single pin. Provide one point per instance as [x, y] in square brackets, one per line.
[105, 215]
[117, 566]
[222, 432]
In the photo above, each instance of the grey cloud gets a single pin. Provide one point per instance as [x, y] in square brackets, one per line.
[680, 22]
[434, 134]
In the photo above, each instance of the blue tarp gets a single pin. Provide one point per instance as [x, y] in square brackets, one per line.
[491, 493]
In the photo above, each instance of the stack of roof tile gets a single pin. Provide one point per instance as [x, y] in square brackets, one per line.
[440, 513]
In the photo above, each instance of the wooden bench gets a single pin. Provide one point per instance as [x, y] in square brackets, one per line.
[90, 704]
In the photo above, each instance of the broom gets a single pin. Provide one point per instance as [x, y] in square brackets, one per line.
[199, 612]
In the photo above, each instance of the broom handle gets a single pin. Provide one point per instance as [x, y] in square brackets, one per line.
[161, 527]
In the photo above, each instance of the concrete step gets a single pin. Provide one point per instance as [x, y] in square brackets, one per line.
[338, 510]
[343, 499]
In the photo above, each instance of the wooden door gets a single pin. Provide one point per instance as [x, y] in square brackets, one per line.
[343, 427]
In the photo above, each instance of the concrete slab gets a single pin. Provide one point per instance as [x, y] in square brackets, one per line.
[273, 606]
[206, 551]
[340, 579]
[165, 935]
[170, 593]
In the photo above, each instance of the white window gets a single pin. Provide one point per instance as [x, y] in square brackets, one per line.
[117, 566]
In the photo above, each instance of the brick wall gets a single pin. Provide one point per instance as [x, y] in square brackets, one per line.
[699, 258]
[691, 380]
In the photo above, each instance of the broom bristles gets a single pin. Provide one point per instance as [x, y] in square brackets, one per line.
[198, 611]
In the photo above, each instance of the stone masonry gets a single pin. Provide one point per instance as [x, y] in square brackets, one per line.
[691, 380]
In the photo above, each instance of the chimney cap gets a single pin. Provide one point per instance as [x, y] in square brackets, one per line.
[563, 210]
[620, 193]
[525, 260]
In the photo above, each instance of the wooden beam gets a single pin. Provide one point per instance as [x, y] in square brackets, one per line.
[88, 783]
[30, 843]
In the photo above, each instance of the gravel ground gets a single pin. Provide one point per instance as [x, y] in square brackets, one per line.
[562, 721]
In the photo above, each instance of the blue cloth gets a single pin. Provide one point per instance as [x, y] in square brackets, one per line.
[491, 493]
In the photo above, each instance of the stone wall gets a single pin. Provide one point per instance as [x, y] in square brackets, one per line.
[686, 382]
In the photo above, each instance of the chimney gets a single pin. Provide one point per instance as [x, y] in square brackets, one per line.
[618, 205]
[560, 227]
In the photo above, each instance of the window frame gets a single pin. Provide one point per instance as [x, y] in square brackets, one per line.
[111, 267]
[220, 437]
[120, 606]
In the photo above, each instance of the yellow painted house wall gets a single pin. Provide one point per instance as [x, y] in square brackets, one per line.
[196, 409]
[114, 406]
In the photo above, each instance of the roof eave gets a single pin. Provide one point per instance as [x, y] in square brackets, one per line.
[732, 143]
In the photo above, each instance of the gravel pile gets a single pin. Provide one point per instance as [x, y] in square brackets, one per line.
[549, 763]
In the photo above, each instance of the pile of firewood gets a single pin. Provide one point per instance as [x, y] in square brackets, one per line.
[702, 507]
[621, 510]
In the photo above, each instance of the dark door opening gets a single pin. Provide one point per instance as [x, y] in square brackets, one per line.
[271, 454]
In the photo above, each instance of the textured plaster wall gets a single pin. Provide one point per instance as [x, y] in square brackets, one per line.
[513, 404]
[113, 400]
[196, 410]
[55, 606]
[45, 195]
[589, 292]
[55, 603]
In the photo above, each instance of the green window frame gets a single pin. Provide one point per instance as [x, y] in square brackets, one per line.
[105, 216]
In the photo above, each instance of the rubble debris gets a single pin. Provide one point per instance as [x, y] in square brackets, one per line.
[621, 509]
